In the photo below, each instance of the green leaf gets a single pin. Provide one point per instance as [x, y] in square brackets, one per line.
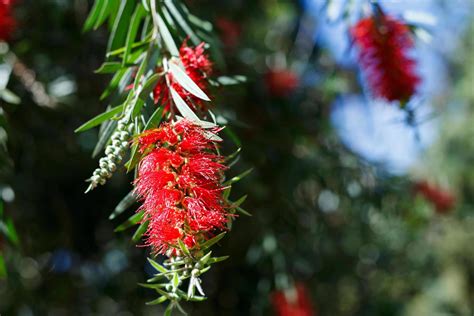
[149, 86]
[186, 82]
[159, 300]
[133, 220]
[166, 36]
[174, 11]
[238, 178]
[217, 259]
[241, 210]
[124, 204]
[140, 231]
[116, 79]
[239, 201]
[104, 13]
[99, 119]
[132, 30]
[108, 67]
[209, 243]
[184, 248]
[169, 310]
[230, 133]
[205, 258]
[122, 22]
[104, 137]
[175, 281]
[183, 108]
[157, 266]
[94, 14]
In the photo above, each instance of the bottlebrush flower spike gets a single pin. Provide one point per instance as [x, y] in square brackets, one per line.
[7, 21]
[179, 185]
[383, 44]
[197, 66]
[293, 302]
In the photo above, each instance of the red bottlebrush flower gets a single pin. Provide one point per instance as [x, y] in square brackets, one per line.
[443, 200]
[198, 67]
[281, 83]
[179, 185]
[7, 21]
[383, 44]
[293, 302]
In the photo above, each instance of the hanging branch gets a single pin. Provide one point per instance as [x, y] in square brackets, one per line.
[159, 118]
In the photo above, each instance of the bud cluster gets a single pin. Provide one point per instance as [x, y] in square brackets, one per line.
[115, 151]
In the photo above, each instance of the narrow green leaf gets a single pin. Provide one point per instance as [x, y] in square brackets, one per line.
[175, 280]
[183, 108]
[140, 231]
[184, 248]
[174, 11]
[132, 30]
[116, 79]
[99, 119]
[238, 178]
[94, 15]
[159, 300]
[133, 220]
[124, 204]
[230, 133]
[1, 209]
[104, 13]
[217, 259]
[152, 286]
[108, 67]
[186, 82]
[207, 244]
[104, 138]
[157, 266]
[205, 258]
[166, 36]
[169, 310]
[149, 86]
[241, 210]
[239, 201]
[120, 28]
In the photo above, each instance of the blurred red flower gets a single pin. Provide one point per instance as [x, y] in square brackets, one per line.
[229, 32]
[7, 21]
[384, 44]
[443, 200]
[293, 302]
[179, 185]
[281, 83]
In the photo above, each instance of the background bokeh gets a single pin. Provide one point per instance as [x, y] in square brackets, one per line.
[333, 192]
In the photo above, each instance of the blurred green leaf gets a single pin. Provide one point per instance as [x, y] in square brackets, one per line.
[124, 204]
[133, 220]
[140, 231]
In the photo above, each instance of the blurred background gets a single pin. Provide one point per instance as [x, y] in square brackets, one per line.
[369, 209]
